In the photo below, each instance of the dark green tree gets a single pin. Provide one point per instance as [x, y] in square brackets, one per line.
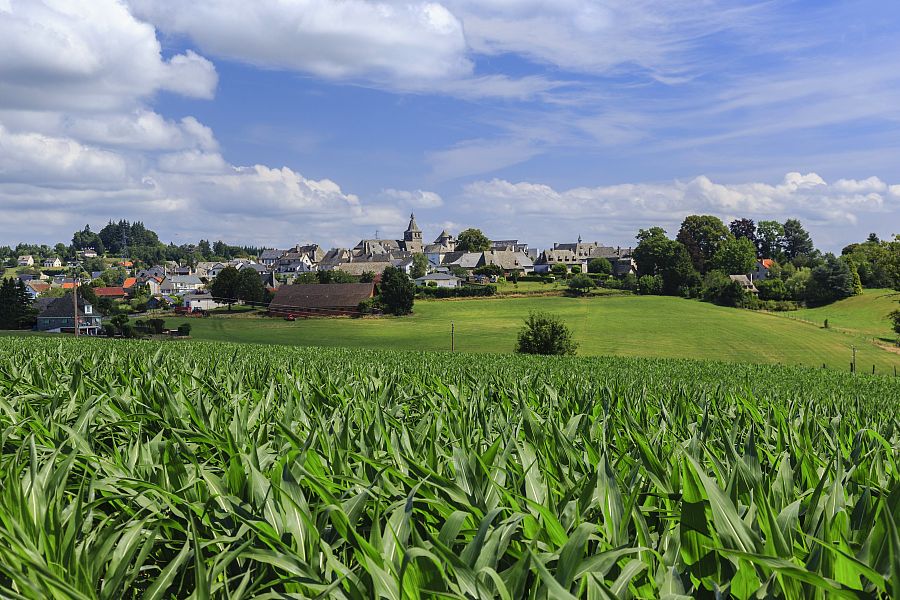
[829, 282]
[600, 266]
[743, 228]
[16, 311]
[559, 270]
[250, 287]
[397, 291]
[770, 240]
[545, 334]
[472, 240]
[797, 242]
[702, 235]
[224, 287]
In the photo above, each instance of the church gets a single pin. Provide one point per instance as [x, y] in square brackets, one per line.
[411, 243]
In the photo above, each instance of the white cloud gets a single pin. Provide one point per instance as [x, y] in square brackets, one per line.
[56, 161]
[90, 56]
[352, 38]
[414, 198]
[617, 211]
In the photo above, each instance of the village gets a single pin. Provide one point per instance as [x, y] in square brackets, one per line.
[287, 275]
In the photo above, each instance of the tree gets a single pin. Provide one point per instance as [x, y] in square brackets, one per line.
[419, 266]
[367, 277]
[829, 282]
[472, 240]
[678, 275]
[772, 289]
[84, 239]
[545, 334]
[857, 284]
[668, 261]
[650, 285]
[600, 266]
[797, 242]
[397, 291]
[559, 270]
[184, 329]
[16, 311]
[735, 257]
[489, 270]
[249, 287]
[770, 239]
[895, 321]
[581, 284]
[224, 287]
[720, 289]
[743, 228]
[702, 235]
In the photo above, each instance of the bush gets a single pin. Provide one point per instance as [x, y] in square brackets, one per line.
[371, 306]
[581, 284]
[109, 330]
[536, 278]
[489, 270]
[184, 329]
[466, 291]
[600, 266]
[576, 269]
[718, 288]
[545, 334]
[559, 271]
[772, 289]
[650, 285]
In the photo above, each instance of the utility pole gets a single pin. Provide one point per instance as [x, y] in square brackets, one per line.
[853, 370]
[452, 337]
[75, 304]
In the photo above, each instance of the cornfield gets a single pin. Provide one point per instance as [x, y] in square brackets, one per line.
[190, 470]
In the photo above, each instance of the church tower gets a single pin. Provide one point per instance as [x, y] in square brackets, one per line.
[412, 237]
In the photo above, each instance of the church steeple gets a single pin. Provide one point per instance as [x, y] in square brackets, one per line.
[412, 233]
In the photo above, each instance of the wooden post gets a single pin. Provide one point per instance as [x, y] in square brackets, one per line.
[452, 337]
[853, 368]
[75, 303]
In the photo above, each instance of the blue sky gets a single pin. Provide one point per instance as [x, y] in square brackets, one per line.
[276, 122]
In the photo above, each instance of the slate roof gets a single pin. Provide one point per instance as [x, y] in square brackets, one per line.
[466, 260]
[317, 295]
[507, 260]
[186, 279]
[62, 307]
[358, 267]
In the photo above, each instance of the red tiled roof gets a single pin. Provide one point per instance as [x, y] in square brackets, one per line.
[68, 286]
[767, 263]
[129, 282]
[107, 292]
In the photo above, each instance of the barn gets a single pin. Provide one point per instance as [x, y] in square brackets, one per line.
[320, 299]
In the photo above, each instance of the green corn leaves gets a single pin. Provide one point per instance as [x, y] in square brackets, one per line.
[145, 470]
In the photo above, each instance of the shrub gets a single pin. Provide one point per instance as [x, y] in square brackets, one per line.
[489, 270]
[650, 285]
[772, 289]
[718, 288]
[576, 269]
[466, 291]
[371, 306]
[581, 284]
[184, 329]
[397, 291]
[600, 265]
[545, 334]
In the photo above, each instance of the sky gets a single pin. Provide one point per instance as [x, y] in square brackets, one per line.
[276, 122]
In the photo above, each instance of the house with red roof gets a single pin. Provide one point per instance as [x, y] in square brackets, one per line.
[114, 293]
[763, 266]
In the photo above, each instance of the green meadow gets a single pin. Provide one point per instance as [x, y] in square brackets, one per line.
[650, 326]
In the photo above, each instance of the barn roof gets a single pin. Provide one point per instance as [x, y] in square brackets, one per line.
[321, 295]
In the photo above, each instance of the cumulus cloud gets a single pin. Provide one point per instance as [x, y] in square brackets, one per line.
[90, 56]
[401, 41]
[413, 198]
[619, 210]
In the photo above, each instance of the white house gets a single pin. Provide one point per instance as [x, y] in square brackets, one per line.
[196, 301]
[52, 263]
[180, 284]
[26, 260]
[444, 280]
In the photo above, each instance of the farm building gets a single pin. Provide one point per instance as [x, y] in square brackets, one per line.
[320, 300]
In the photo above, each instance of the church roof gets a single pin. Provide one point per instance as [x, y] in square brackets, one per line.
[412, 224]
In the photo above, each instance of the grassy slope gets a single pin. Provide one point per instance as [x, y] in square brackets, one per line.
[625, 326]
[866, 314]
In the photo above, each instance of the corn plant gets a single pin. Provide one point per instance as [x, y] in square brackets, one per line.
[135, 469]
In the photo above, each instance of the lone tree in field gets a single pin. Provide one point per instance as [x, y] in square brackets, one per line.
[397, 291]
[545, 334]
[472, 240]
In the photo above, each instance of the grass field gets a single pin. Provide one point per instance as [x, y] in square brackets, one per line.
[865, 314]
[623, 325]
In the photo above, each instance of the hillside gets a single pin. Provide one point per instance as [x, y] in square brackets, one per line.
[624, 326]
[865, 314]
